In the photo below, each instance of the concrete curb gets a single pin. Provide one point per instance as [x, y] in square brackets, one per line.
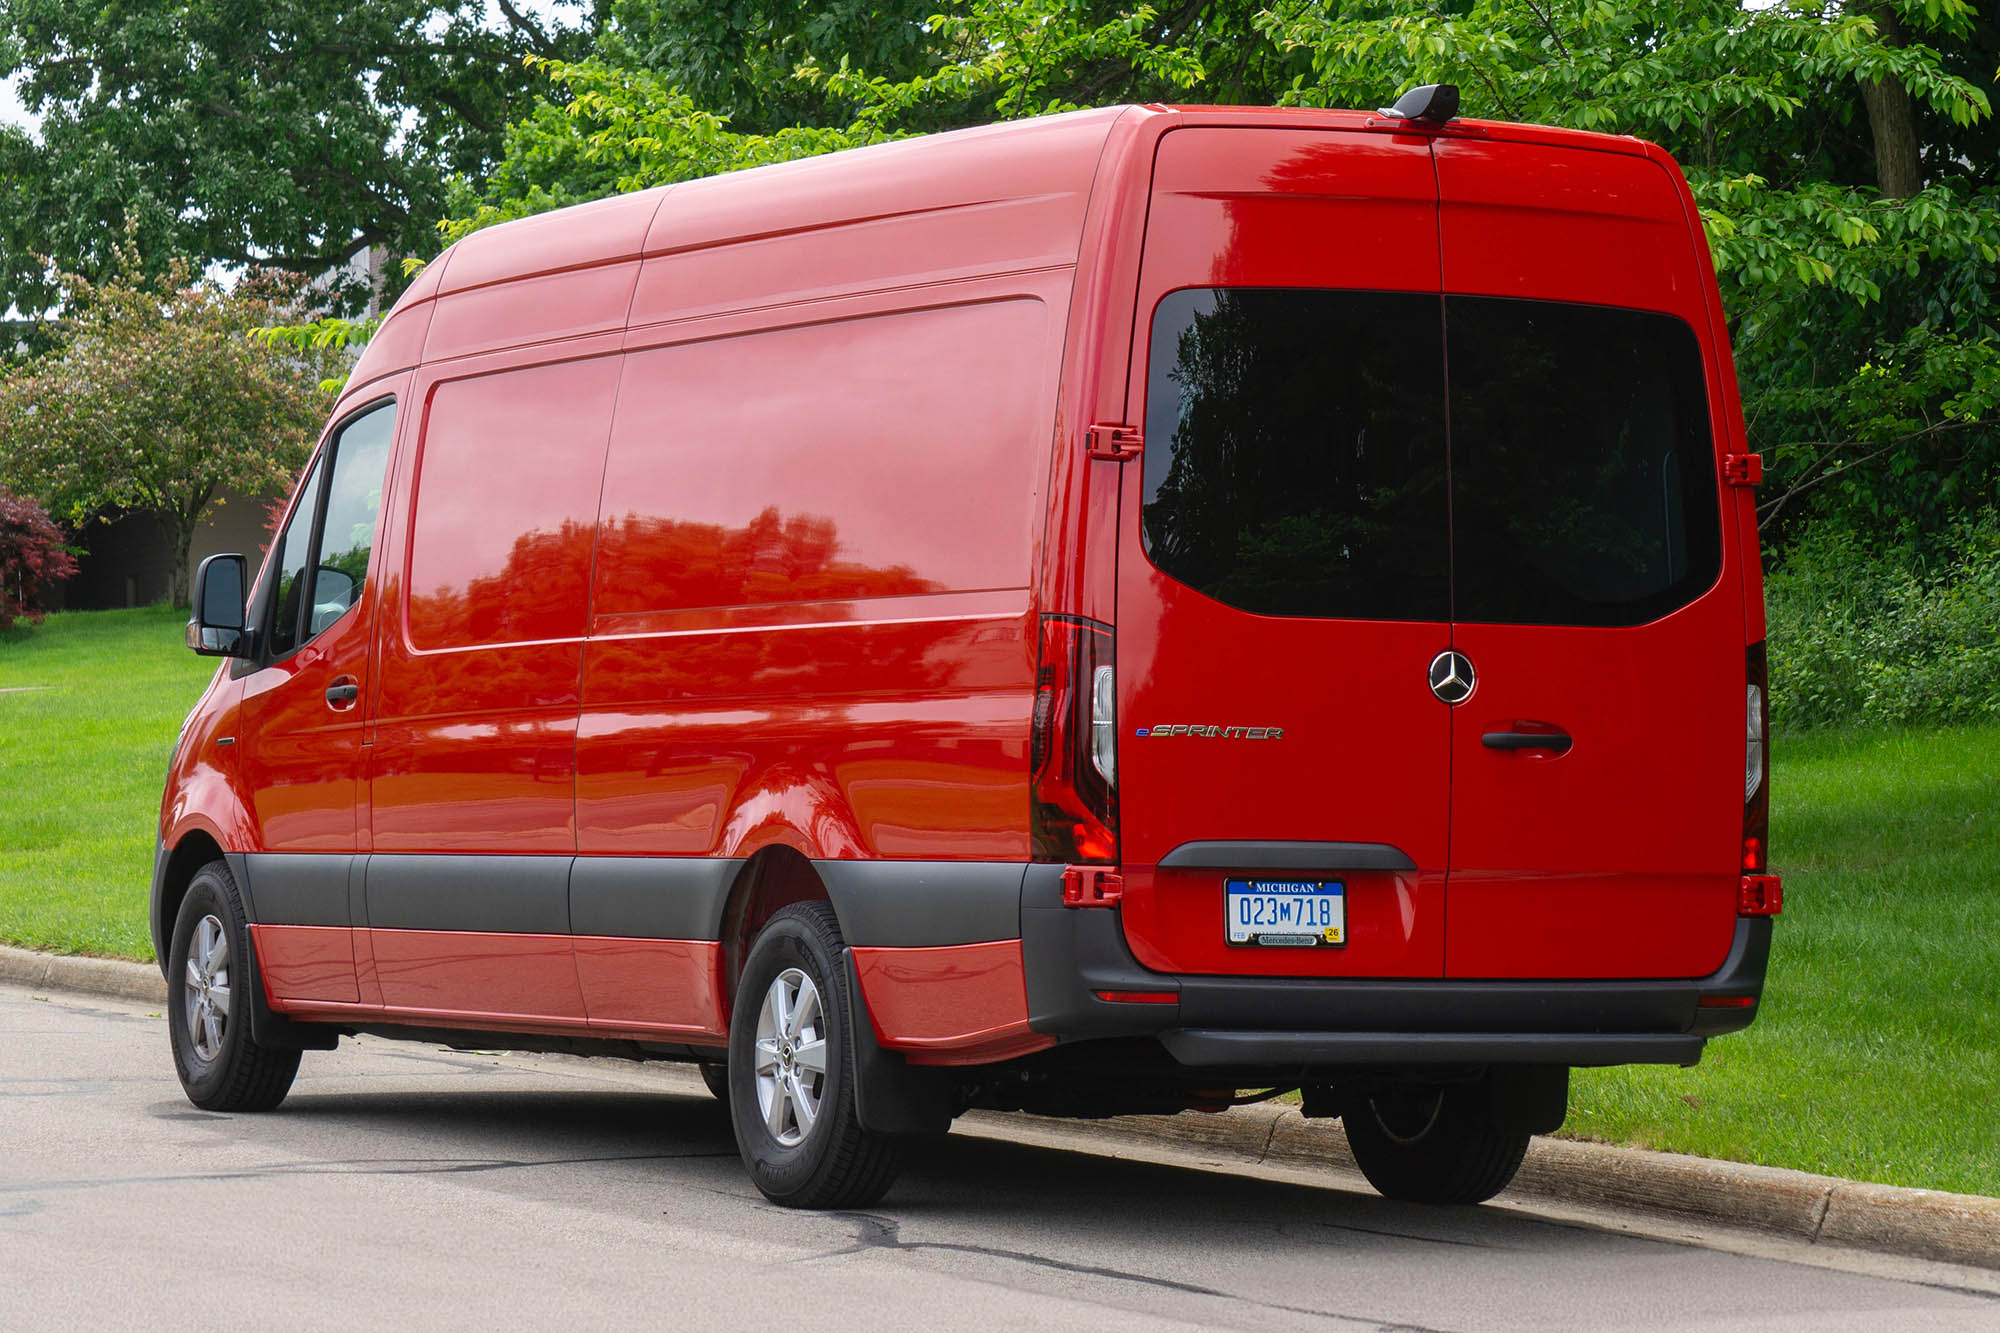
[1921, 1224]
[91, 976]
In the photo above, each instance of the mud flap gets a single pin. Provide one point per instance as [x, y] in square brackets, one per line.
[270, 1028]
[1530, 1098]
[891, 1095]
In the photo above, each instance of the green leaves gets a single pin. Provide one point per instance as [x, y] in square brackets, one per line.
[155, 397]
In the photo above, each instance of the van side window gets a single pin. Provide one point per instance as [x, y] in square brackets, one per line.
[291, 553]
[353, 504]
[1583, 468]
[341, 538]
[1295, 451]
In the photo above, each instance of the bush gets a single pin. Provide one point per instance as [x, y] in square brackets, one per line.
[1873, 637]
[32, 553]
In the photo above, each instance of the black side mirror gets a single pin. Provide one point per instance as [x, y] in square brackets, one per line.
[216, 627]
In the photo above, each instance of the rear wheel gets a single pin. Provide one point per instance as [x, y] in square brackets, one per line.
[1437, 1143]
[791, 1070]
[221, 1066]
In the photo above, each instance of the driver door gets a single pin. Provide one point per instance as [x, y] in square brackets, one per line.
[303, 706]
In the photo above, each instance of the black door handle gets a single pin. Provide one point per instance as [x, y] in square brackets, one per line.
[1554, 740]
[344, 692]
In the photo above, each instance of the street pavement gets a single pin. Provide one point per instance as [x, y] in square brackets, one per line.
[404, 1184]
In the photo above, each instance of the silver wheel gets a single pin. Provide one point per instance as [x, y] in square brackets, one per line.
[791, 1057]
[205, 1000]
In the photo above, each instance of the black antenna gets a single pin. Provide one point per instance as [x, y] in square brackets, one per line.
[1434, 104]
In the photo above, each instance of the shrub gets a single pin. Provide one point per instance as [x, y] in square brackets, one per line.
[1880, 637]
[32, 553]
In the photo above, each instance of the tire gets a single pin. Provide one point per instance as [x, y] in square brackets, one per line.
[717, 1078]
[209, 975]
[797, 1127]
[1435, 1144]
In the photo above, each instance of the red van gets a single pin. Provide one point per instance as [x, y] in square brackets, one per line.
[1101, 614]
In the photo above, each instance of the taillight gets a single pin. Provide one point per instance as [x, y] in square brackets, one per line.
[1757, 893]
[1756, 762]
[1073, 752]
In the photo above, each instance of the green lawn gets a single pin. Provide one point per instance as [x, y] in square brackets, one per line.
[83, 754]
[1877, 1051]
[1877, 1054]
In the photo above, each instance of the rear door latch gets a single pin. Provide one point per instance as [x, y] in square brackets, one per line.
[1115, 443]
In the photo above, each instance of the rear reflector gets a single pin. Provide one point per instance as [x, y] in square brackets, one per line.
[1138, 996]
[1727, 1001]
[1759, 895]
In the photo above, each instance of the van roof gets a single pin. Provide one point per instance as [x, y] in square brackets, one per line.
[955, 169]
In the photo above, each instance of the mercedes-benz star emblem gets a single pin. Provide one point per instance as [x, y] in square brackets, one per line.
[1451, 677]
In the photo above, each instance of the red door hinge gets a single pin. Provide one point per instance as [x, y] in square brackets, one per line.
[1092, 886]
[1743, 469]
[1115, 443]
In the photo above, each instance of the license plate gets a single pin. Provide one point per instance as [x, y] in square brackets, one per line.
[1299, 913]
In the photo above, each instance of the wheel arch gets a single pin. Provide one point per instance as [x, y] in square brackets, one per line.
[177, 864]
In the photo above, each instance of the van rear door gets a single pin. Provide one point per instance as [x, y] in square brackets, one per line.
[1595, 822]
[1283, 571]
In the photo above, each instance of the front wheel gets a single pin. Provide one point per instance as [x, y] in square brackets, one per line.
[221, 1066]
[1438, 1143]
[791, 1070]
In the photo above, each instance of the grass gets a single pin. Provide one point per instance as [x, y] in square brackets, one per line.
[83, 755]
[1876, 1055]
[1877, 1051]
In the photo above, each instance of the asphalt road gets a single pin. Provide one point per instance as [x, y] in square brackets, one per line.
[402, 1184]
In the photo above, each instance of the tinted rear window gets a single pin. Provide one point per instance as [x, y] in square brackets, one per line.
[1295, 458]
[1583, 473]
[1297, 461]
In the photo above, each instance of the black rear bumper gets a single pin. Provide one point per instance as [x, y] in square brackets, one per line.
[1070, 954]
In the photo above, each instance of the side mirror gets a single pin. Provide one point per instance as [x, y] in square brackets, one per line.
[216, 627]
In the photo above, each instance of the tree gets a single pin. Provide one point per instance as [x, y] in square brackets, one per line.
[156, 398]
[291, 134]
[32, 554]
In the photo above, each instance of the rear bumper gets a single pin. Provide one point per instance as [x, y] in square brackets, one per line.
[1071, 954]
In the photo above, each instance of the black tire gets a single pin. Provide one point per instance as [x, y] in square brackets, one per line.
[1436, 1144]
[717, 1078]
[221, 1066]
[834, 1162]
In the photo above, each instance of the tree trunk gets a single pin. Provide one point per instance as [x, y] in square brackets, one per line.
[180, 532]
[1891, 116]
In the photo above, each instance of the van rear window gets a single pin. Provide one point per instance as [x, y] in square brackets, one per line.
[1295, 457]
[1583, 469]
[1300, 460]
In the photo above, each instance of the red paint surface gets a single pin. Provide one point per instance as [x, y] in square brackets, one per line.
[1619, 858]
[670, 988]
[964, 1004]
[306, 962]
[470, 972]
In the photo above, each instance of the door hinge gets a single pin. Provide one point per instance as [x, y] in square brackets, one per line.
[1743, 469]
[1115, 443]
[1092, 886]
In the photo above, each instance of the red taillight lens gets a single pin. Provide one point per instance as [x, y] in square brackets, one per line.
[1073, 814]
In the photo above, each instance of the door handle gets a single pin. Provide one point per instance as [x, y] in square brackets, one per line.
[343, 692]
[1554, 739]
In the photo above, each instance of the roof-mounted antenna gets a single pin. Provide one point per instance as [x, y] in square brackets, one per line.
[1434, 104]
